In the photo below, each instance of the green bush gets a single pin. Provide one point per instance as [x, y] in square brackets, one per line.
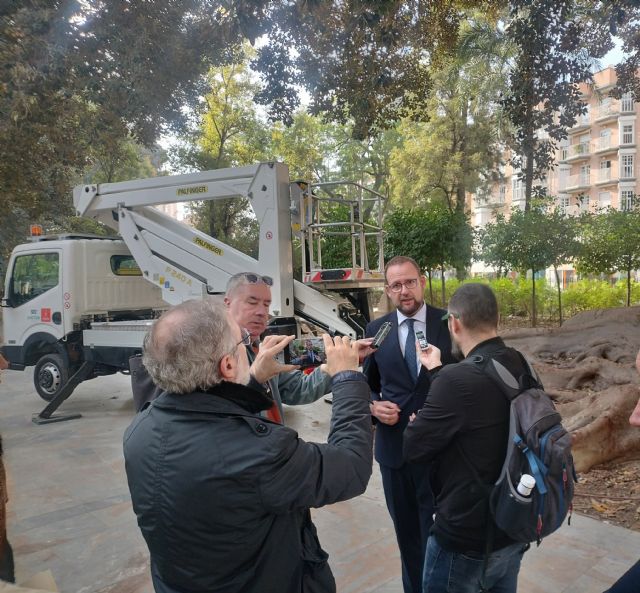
[514, 296]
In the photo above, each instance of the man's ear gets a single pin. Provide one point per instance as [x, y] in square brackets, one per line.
[226, 301]
[228, 367]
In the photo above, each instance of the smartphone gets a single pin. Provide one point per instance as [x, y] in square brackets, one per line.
[383, 332]
[422, 340]
[306, 352]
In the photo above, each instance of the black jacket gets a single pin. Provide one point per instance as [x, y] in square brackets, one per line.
[222, 496]
[466, 409]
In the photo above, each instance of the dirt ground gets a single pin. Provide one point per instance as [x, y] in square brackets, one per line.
[611, 493]
[587, 366]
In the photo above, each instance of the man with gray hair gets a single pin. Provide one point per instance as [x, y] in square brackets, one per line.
[248, 297]
[221, 494]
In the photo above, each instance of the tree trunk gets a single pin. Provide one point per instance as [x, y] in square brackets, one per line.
[587, 366]
[555, 269]
[430, 286]
[533, 298]
[444, 295]
[528, 176]
[629, 284]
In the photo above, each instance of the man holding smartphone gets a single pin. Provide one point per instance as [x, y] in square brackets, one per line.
[398, 388]
[248, 298]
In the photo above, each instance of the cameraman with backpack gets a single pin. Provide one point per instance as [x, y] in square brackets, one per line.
[463, 427]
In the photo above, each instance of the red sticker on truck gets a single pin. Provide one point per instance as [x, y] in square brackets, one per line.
[45, 315]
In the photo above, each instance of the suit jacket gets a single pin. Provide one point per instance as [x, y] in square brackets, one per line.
[389, 379]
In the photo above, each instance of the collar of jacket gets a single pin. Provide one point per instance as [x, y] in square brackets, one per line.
[223, 398]
[490, 345]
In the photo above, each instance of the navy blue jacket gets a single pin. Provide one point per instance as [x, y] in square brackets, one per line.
[389, 379]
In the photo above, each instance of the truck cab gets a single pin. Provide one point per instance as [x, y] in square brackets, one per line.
[58, 286]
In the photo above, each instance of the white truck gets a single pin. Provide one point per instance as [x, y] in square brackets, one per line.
[78, 306]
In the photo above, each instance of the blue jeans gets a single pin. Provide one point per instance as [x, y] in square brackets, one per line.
[451, 572]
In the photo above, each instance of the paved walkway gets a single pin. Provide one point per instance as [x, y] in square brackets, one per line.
[70, 511]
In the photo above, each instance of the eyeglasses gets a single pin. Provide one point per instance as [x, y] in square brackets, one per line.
[246, 338]
[409, 284]
[254, 278]
[448, 314]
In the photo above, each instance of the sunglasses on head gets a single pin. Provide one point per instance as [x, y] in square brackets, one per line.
[255, 278]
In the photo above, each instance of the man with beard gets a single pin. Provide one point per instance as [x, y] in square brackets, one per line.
[463, 428]
[222, 494]
[398, 389]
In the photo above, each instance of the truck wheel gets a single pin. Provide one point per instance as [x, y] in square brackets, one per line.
[49, 376]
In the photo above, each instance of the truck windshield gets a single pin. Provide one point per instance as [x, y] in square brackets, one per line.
[33, 275]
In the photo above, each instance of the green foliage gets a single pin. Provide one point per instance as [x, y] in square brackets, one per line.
[531, 241]
[555, 53]
[514, 297]
[610, 243]
[435, 238]
[81, 80]
[365, 62]
[455, 150]
[303, 146]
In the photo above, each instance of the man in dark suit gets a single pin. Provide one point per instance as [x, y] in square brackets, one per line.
[399, 386]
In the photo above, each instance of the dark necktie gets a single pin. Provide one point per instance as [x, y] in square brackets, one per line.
[410, 350]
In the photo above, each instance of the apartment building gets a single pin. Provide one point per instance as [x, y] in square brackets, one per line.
[596, 165]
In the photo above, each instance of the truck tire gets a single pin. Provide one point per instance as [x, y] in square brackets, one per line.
[49, 376]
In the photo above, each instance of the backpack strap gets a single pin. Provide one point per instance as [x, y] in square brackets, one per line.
[504, 379]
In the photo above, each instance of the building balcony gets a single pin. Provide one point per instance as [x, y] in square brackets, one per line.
[583, 123]
[576, 183]
[606, 177]
[606, 112]
[578, 152]
[488, 201]
[604, 144]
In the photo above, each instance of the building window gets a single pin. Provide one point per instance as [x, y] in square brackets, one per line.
[584, 202]
[518, 189]
[605, 170]
[627, 134]
[626, 161]
[564, 203]
[604, 141]
[585, 175]
[626, 103]
[502, 193]
[604, 199]
[626, 199]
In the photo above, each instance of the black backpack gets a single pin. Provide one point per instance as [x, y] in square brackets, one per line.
[538, 445]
